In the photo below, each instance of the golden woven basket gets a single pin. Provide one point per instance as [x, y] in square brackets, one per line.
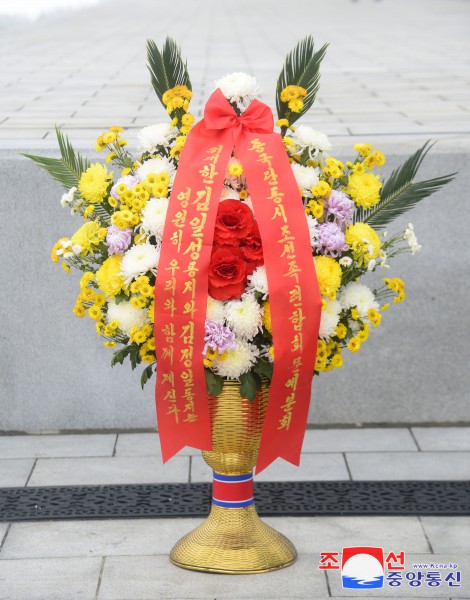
[234, 540]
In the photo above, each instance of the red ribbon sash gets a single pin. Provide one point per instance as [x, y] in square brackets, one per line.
[182, 281]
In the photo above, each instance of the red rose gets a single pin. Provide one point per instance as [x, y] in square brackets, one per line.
[227, 273]
[233, 222]
[252, 249]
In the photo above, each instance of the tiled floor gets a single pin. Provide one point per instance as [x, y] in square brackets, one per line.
[128, 559]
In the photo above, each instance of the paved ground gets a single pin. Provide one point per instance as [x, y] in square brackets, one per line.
[394, 70]
[128, 559]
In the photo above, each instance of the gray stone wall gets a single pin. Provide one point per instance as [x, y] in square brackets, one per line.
[55, 373]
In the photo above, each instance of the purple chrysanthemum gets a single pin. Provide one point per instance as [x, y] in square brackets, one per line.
[129, 180]
[330, 241]
[118, 240]
[218, 337]
[340, 206]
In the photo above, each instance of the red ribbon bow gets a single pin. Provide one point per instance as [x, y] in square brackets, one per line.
[182, 280]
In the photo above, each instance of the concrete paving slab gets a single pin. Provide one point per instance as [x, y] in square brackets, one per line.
[93, 471]
[448, 534]
[319, 467]
[318, 534]
[377, 466]
[49, 578]
[15, 472]
[442, 438]
[56, 539]
[405, 590]
[149, 577]
[39, 446]
[364, 439]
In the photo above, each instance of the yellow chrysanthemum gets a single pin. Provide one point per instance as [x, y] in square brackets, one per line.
[267, 316]
[86, 279]
[363, 241]
[363, 149]
[292, 92]
[328, 275]
[354, 344]
[296, 105]
[87, 237]
[94, 183]
[337, 361]
[58, 246]
[109, 278]
[374, 317]
[364, 189]
[341, 331]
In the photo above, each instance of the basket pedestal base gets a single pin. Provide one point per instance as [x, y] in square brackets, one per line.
[236, 541]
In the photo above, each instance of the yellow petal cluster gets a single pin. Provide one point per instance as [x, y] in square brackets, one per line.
[108, 276]
[328, 275]
[94, 183]
[364, 189]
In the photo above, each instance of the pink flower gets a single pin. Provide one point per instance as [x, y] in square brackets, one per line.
[118, 240]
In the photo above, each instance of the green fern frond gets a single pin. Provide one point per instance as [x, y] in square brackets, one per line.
[302, 68]
[167, 68]
[68, 169]
[400, 193]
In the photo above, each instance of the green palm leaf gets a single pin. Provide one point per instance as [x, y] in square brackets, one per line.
[167, 68]
[400, 193]
[302, 68]
[68, 169]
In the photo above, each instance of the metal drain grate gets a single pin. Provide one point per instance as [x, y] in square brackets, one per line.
[299, 498]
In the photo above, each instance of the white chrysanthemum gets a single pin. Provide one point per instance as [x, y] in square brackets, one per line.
[329, 318]
[313, 230]
[410, 237]
[153, 217]
[306, 177]
[239, 88]
[229, 193]
[138, 260]
[126, 315]
[238, 361]
[152, 136]
[156, 166]
[307, 137]
[357, 295]
[244, 316]
[345, 261]
[258, 281]
[215, 310]
[67, 198]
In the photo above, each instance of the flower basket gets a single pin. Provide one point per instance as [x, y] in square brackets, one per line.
[231, 257]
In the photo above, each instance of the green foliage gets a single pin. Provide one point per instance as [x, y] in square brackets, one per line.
[68, 169]
[167, 68]
[120, 355]
[214, 383]
[146, 374]
[302, 68]
[400, 193]
[250, 383]
[264, 368]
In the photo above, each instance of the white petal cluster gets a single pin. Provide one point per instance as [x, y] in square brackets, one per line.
[153, 217]
[138, 260]
[258, 281]
[215, 310]
[126, 315]
[156, 166]
[152, 136]
[240, 88]
[329, 318]
[313, 230]
[357, 295]
[67, 198]
[238, 361]
[244, 316]
[306, 177]
[316, 141]
[410, 237]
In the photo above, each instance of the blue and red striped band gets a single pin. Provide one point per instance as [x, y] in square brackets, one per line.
[232, 491]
